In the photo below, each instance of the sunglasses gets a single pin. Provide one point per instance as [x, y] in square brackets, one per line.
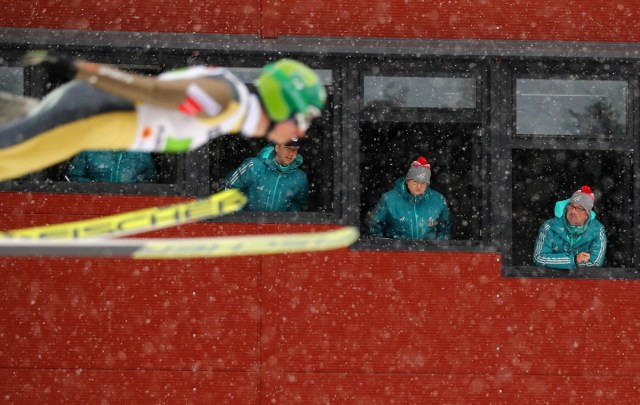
[577, 208]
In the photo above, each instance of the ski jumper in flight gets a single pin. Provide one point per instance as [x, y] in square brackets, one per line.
[106, 108]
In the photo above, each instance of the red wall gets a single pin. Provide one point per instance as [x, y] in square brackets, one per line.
[540, 20]
[332, 327]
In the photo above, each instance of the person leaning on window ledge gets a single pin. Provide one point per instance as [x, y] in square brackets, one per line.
[272, 181]
[574, 237]
[412, 209]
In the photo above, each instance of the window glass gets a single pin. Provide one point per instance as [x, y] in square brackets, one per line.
[419, 92]
[12, 80]
[542, 177]
[571, 107]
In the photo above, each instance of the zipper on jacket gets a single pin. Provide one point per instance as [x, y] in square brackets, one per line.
[415, 217]
[273, 196]
[114, 173]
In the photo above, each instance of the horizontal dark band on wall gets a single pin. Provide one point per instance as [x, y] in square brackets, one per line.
[594, 273]
[321, 45]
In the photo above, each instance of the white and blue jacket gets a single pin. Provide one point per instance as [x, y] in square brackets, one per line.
[558, 243]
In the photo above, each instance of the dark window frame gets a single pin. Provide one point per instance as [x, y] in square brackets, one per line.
[332, 118]
[198, 185]
[36, 83]
[553, 68]
[426, 66]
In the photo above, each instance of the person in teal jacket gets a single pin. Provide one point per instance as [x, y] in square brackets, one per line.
[112, 166]
[574, 237]
[412, 209]
[272, 181]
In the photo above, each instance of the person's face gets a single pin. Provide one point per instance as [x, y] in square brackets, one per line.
[286, 154]
[284, 131]
[576, 215]
[416, 188]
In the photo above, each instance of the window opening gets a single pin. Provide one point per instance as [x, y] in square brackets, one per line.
[388, 148]
[227, 153]
[542, 177]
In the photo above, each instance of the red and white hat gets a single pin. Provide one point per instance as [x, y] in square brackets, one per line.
[420, 171]
[584, 198]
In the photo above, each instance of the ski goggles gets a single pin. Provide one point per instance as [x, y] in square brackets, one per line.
[303, 120]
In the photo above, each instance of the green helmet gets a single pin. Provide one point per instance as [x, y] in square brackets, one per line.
[290, 89]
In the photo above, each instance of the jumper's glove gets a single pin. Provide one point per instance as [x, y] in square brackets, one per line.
[57, 64]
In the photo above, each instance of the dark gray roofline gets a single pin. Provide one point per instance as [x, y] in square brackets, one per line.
[320, 45]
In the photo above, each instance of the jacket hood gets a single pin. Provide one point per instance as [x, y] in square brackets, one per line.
[561, 207]
[268, 154]
[401, 188]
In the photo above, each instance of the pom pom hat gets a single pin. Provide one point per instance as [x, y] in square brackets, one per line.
[420, 171]
[584, 198]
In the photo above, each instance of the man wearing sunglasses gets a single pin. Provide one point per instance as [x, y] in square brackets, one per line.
[574, 237]
[106, 108]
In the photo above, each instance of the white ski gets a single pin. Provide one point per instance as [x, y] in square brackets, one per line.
[182, 248]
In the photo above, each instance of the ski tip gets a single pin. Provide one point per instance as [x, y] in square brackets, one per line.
[249, 245]
[350, 235]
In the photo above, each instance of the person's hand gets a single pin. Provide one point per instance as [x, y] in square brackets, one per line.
[582, 257]
[57, 64]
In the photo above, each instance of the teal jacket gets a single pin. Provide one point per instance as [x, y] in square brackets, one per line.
[558, 243]
[112, 167]
[400, 215]
[268, 185]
